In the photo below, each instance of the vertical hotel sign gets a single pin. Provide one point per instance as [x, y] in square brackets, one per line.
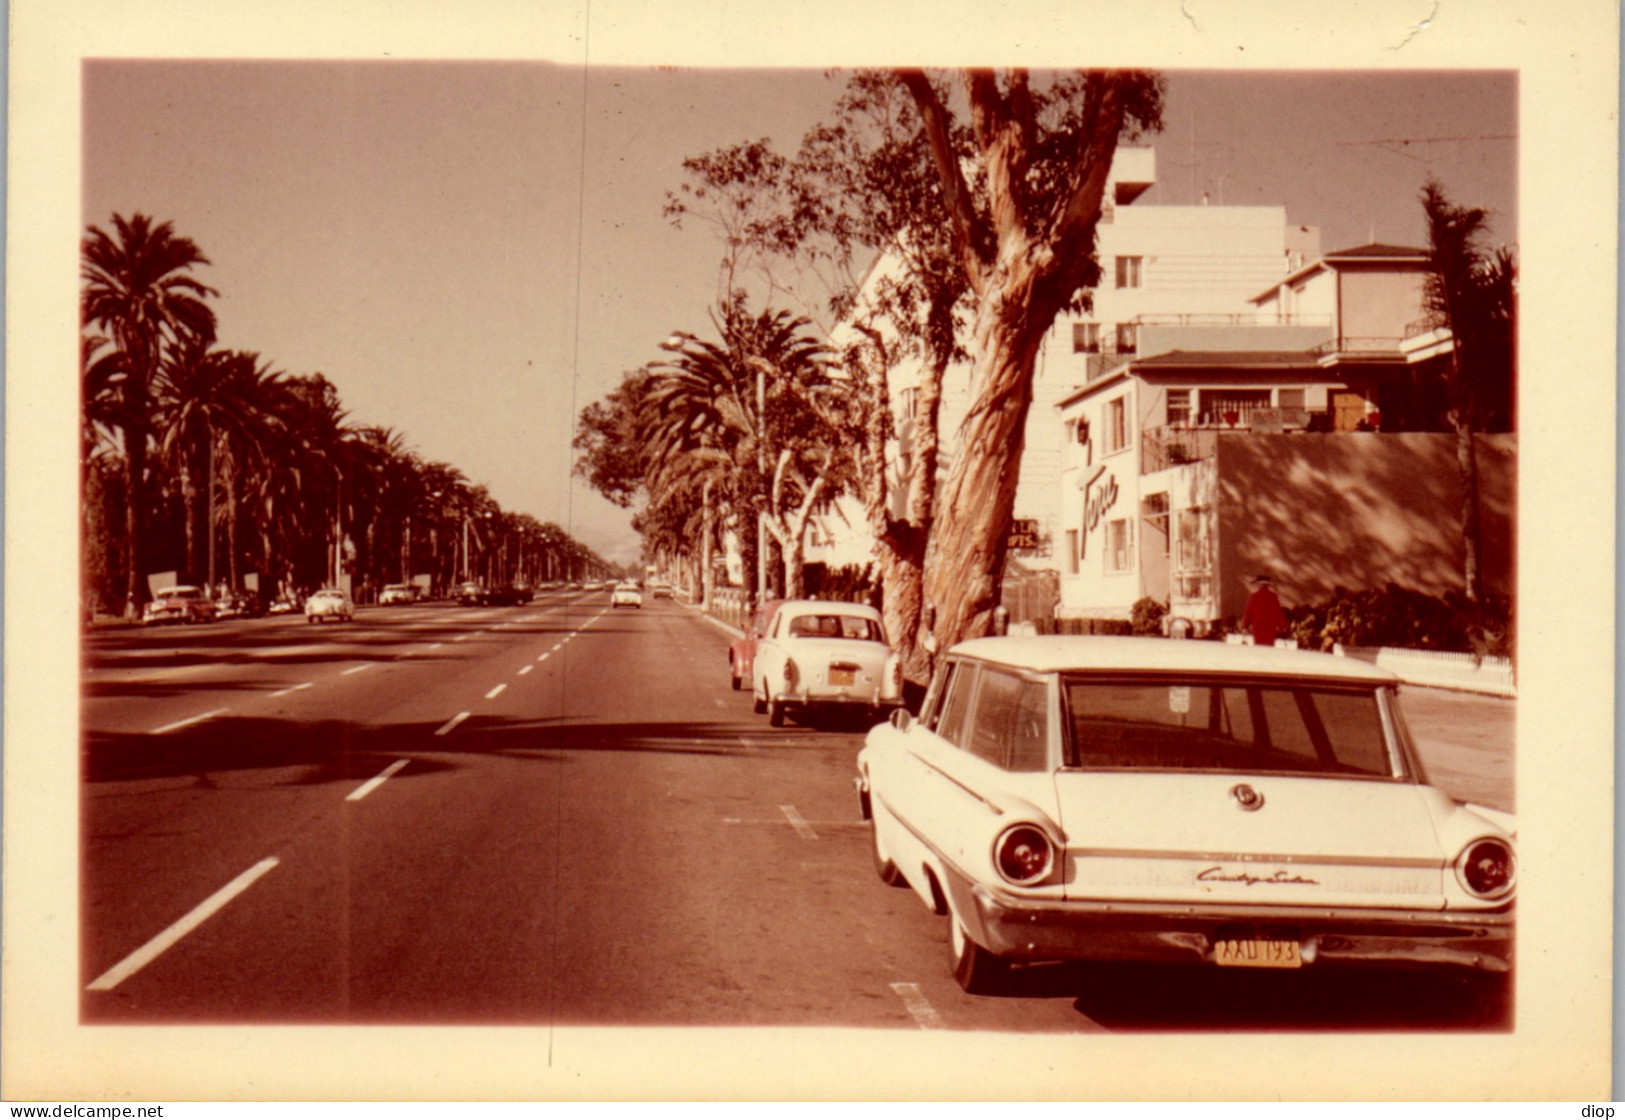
[1099, 496]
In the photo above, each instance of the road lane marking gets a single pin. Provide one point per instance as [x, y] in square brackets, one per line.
[437, 645]
[462, 637]
[495, 692]
[293, 688]
[803, 829]
[526, 669]
[545, 656]
[357, 669]
[373, 783]
[915, 1003]
[155, 948]
[445, 728]
[188, 721]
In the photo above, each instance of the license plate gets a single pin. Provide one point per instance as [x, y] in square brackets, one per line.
[843, 676]
[1257, 953]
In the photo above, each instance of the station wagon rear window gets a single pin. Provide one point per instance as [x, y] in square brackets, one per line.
[1244, 726]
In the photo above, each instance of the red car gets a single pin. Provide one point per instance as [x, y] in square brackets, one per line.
[742, 653]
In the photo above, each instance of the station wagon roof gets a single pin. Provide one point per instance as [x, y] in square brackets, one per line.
[1057, 653]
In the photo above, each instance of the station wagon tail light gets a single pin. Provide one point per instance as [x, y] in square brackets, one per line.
[1486, 868]
[1023, 854]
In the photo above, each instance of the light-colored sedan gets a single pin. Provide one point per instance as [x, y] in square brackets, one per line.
[626, 595]
[817, 654]
[397, 594]
[329, 602]
[1140, 799]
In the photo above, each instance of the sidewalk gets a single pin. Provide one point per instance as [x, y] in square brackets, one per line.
[1467, 742]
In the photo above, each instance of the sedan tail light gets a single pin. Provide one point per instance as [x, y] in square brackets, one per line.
[1024, 854]
[1486, 868]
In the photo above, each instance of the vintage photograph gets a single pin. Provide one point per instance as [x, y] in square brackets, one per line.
[868, 552]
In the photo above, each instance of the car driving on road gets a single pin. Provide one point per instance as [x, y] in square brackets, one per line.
[1142, 799]
[626, 594]
[329, 602]
[815, 654]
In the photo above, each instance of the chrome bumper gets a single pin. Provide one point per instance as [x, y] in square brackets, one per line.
[1025, 929]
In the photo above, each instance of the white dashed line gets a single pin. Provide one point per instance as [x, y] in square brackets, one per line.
[437, 645]
[462, 637]
[187, 722]
[526, 669]
[155, 948]
[446, 728]
[544, 656]
[803, 829]
[915, 1003]
[373, 783]
[495, 692]
[356, 669]
[293, 688]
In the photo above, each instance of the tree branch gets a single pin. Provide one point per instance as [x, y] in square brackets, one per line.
[970, 236]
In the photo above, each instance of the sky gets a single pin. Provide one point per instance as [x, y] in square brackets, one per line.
[472, 252]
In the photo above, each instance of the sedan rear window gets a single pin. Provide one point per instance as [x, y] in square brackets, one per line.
[835, 626]
[1245, 726]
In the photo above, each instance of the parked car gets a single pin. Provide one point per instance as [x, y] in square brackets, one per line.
[286, 604]
[329, 602]
[183, 603]
[471, 594]
[395, 594]
[626, 594]
[742, 650]
[1138, 799]
[824, 655]
[659, 589]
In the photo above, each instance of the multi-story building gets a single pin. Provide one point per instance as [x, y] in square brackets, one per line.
[1283, 447]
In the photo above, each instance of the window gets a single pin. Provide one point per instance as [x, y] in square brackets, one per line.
[1192, 540]
[1179, 407]
[1241, 726]
[1289, 398]
[1127, 338]
[1128, 271]
[1086, 338]
[1071, 552]
[1116, 424]
[1011, 725]
[956, 703]
[1119, 545]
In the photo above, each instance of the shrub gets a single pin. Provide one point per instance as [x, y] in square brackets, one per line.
[1145, 617]
[1401, 618]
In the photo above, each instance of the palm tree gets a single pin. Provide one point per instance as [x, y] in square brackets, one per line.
[138, 288]
[1470, 292]
[214, 416]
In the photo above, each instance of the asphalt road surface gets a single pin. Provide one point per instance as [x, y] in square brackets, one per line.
[560, 814]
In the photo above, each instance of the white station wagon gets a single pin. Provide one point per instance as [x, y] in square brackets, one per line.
[816, 654]
[1140, 799]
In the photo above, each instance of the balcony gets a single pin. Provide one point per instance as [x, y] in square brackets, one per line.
[1173, 446]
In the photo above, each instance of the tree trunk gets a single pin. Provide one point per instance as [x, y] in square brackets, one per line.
[135, 496]
[1467, 463]
[964, 566]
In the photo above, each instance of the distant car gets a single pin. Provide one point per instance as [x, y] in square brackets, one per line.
[329, 602]
[183, 603]
[507, 595]
[287, 604]
[1138, 799]
[742, 650]
[230, 606]
[824, 655]
[659, 589]
[471, 594]
[395, 594]
[626, 595]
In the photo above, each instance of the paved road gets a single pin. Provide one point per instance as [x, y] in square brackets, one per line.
[551, 814]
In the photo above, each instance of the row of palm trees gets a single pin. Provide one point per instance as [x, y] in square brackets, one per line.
[209, 463]
[749, 435]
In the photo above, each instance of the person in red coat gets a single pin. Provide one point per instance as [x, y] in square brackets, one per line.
[1264, 618]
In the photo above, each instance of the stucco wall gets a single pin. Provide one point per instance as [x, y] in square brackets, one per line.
[1357, 510]
[1379, 304]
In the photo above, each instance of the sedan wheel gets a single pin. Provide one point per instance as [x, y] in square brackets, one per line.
[759, 700]
[775, 713]
[978, 971]
[733, 672]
